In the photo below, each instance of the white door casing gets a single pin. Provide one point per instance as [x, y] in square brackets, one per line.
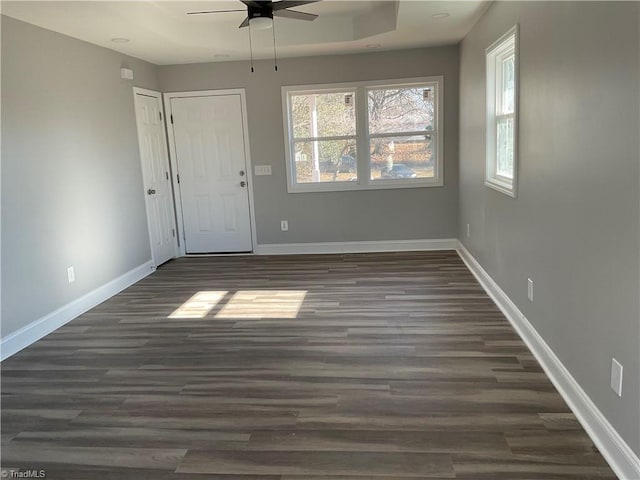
[155, 174]
[209, 150]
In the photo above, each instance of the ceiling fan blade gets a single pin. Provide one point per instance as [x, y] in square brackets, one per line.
[245, 23]
[282, 4]
[295, 15]
[214, 11]
[255, 4]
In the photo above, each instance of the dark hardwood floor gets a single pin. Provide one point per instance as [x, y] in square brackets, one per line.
[350, 367]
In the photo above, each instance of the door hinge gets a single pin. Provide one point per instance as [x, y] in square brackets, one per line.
[173, 232]
[160, 113]
[178, 177]
[172, 119]
[167, 175]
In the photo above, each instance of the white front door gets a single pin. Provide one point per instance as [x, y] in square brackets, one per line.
[211, 159]
[155, 175]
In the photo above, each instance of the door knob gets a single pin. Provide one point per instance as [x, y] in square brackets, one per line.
[242, 173]
[151, 191]
[243, 184]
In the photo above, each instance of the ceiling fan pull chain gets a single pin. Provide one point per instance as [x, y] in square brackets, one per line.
[250, 48]
[275, 55]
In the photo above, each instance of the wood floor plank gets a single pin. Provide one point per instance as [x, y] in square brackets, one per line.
[318, 463]
[378, 366]
[60, 472]
[426, 441]
[35, 452]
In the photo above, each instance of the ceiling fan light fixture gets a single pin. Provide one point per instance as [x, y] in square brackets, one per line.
[261, 23]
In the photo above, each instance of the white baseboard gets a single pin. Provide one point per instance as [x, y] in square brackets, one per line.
[614, 449]
[356, 247]
[22, 338]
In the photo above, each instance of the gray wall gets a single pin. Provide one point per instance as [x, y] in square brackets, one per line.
[71, 178]
[574, 226]
[336, 216]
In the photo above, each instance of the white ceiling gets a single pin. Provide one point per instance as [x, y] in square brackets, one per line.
[162, 33]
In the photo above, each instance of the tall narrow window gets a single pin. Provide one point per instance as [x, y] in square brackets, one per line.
[502, 113]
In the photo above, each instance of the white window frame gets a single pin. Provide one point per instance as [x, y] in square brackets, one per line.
[362, 136]
[506, 45]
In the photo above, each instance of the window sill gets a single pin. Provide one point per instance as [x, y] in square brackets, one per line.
[508, 188]
[355, 186]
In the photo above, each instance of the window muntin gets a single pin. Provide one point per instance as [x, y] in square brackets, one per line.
[502, 86]
[367, 135]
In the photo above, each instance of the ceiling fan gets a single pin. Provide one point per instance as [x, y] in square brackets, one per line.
[260, 13]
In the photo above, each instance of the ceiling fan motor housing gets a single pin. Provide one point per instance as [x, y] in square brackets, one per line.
[255, 12]
[263, 10]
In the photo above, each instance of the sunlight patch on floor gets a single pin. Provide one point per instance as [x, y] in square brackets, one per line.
[199, 304]
[263, 304]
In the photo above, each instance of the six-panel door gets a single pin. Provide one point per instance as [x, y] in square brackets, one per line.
[211, 159]
[155, 173]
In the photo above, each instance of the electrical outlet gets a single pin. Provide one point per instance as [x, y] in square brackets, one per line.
[284, 225]
[71, 276]
[530, 289]
[468, 230]
[616, 377]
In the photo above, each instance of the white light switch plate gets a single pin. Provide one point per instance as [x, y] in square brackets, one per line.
[263, 170]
